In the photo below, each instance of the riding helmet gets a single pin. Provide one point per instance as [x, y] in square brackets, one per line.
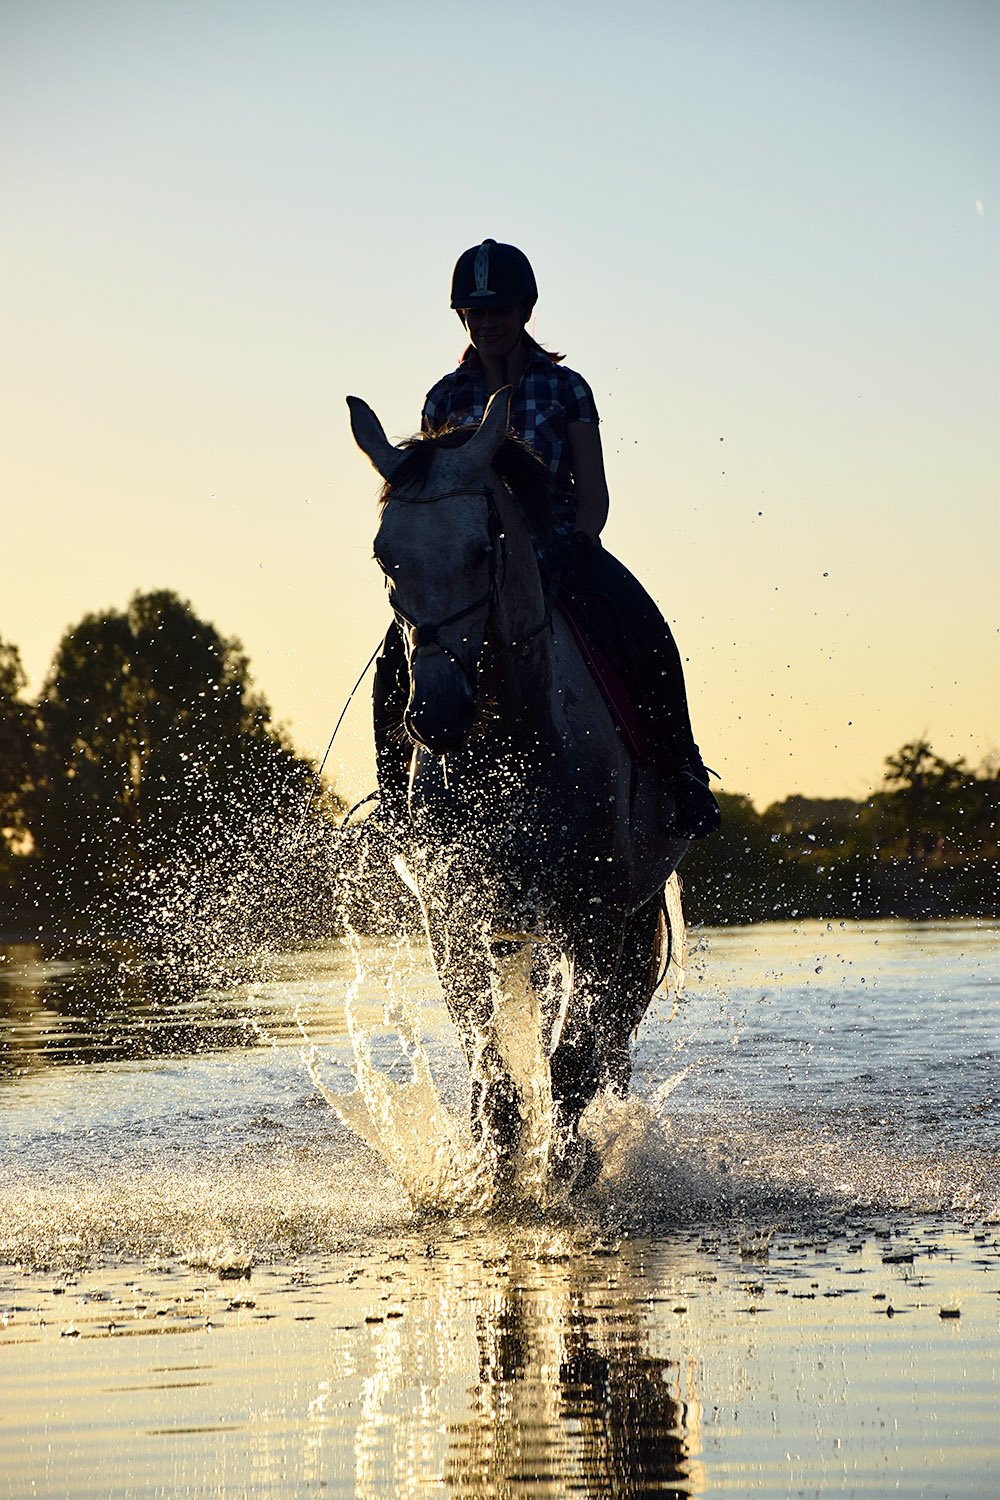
[493, 275]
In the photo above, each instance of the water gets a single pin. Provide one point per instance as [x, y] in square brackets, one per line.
[785, 1280]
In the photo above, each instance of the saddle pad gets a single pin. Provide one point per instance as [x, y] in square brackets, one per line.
[607, 678]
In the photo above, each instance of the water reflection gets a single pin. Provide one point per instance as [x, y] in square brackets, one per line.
[63, 1006]
[570, 1394]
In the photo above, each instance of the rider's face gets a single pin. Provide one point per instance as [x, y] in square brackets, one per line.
[495, 331]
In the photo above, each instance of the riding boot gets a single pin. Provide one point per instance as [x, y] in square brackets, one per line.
[653, 664]
[392, 749]
[696, 813]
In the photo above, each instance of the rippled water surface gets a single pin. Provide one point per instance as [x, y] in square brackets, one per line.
[785, 1281]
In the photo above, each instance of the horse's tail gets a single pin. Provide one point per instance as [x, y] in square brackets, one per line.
[659, 959]
[668, 943]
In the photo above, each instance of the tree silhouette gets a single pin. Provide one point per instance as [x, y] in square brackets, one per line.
[162, 775]
[935, 810]
[17, 740]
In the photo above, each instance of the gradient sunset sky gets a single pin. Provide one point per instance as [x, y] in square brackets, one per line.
[766, 233]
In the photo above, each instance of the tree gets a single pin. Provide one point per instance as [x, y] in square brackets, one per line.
[936, 810]
[737, 875]
[17, 755]
[165, 783]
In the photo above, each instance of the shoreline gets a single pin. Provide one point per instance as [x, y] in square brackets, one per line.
[51, 935]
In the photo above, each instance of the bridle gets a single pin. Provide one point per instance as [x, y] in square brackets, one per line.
[425, 633]
[422, 634]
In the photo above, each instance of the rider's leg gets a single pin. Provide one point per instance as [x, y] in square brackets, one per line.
[389, 694]
[662, 699]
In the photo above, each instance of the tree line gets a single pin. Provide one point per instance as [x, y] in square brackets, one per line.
[925, 845]
[147, 787]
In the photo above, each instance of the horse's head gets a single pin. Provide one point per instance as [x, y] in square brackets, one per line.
[438, 546]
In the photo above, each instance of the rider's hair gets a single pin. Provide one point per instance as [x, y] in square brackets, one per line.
[556, 359]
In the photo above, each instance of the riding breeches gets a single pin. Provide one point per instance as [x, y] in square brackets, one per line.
[641, 644]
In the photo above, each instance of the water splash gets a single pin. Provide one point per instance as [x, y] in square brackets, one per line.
[430, 1151]
[406, 1123]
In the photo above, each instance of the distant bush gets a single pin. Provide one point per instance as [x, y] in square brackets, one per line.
[925, 846]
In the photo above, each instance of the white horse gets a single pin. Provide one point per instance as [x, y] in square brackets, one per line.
[539, 849]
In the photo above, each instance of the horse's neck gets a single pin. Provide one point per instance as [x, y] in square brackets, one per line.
[517, 677]
[521, 605]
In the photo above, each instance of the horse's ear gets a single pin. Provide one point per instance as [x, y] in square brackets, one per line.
[370, 437]
[479, 450]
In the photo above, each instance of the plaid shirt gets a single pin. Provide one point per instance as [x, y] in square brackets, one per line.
[547, 398]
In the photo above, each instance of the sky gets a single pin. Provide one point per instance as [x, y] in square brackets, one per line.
[764, 230]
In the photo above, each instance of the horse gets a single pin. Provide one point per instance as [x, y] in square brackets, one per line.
[537, 846]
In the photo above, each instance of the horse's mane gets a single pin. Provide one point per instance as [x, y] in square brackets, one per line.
[521, 470]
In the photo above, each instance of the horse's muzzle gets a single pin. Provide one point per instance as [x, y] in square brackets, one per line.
[442, 709]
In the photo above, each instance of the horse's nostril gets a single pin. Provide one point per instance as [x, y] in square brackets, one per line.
[440, 727]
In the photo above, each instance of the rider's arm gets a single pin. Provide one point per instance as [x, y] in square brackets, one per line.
[588, 477]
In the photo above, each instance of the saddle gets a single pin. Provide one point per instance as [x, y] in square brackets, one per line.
[605, 655]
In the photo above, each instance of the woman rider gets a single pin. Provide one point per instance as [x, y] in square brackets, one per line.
[553, 411]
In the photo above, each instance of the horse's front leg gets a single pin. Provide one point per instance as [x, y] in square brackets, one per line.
[635, 979]
[487, 989]
[518, 1040]
[578, 1064]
